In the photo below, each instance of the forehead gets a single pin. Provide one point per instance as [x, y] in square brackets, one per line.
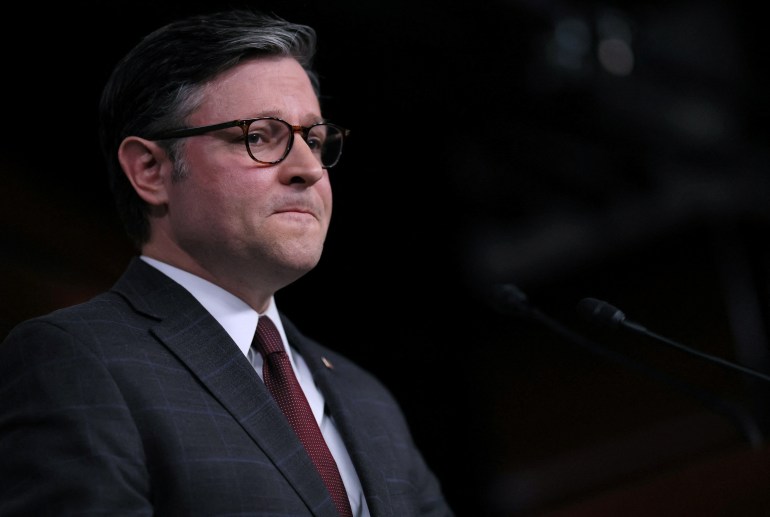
[260, 86]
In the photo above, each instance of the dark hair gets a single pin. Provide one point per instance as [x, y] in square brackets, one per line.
[157, 85]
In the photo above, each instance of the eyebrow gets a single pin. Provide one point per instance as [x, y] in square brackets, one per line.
[312, 119]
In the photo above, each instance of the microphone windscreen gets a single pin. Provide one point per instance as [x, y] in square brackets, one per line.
[508, 299]
[600, 313]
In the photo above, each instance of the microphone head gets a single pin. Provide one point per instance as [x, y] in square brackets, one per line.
[509, 299]
[600, 313]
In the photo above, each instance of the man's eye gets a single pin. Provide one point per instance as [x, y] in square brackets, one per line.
[315, 143]
[257, 138]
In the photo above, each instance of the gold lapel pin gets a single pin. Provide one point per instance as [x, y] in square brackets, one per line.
[327, 363]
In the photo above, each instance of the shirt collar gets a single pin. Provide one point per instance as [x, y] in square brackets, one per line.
[236, 317]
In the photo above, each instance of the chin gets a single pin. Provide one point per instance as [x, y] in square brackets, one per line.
[302, 260]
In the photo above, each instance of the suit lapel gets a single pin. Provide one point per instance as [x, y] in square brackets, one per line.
[199, 342]
[353, 426]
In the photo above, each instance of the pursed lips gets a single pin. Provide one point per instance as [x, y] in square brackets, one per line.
[294, 209]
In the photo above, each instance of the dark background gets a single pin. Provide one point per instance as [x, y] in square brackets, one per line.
[615, 150]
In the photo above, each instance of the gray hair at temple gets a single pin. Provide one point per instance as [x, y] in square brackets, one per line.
[159, 83]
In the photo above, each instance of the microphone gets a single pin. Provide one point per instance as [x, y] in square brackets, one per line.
[508, 299]
[602, 313]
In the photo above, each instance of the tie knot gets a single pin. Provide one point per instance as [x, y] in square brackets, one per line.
[267, 339]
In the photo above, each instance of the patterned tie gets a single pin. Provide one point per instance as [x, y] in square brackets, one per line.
[283, 385]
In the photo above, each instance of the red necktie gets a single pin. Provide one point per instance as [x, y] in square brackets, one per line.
[283, 385]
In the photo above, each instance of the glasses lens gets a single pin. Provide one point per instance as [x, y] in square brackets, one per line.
[268, 140]
[326, 141]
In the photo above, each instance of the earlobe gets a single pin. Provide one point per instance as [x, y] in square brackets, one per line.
[145, 164]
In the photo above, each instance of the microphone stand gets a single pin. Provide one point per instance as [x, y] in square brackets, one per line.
[508, 299]
[603, 313]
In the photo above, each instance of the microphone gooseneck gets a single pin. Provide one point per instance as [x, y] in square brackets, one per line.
[603, 314]
[508, 299]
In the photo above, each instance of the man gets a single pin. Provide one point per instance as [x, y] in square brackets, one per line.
[149, 399]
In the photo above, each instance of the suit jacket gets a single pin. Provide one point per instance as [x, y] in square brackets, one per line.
[138, 402]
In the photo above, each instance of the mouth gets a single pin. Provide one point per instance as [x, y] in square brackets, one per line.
[300, 207]
[296, 211]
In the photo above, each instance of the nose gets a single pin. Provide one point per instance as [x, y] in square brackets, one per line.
[302, 165]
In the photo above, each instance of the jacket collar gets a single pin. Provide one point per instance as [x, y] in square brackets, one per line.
[197, 340]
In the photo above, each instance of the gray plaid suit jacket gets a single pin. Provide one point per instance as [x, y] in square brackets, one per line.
[137, 402]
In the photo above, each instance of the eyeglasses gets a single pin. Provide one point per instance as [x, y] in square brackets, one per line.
[269, 139]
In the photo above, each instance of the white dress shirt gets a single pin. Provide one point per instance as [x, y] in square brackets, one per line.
[240, 322]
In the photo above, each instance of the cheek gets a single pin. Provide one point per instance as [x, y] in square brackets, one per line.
[325, 191]
[206, 198]
[217, 188]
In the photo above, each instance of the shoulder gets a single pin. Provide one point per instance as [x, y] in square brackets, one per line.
[84, 314]
[65, 330]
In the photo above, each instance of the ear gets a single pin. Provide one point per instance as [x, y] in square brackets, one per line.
[147, 167]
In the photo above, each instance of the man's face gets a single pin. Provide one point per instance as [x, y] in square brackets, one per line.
[239, 220]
